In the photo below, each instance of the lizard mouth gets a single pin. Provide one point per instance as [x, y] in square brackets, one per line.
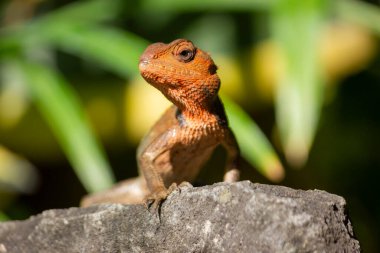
[149, 72]
[146, 71]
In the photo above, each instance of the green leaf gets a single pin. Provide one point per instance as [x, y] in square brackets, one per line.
[75, 29]
[254, 146]
[62, 110]
[296, 29]
[114, 49]
[117, 50]
[84, 12]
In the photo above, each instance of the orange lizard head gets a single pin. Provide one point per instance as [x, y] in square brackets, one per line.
[185, 74]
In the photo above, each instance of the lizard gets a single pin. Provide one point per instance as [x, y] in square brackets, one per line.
[183, 139]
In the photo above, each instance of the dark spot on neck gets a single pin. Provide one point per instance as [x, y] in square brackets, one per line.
[217, 109]
[206, 92]
[179, 116]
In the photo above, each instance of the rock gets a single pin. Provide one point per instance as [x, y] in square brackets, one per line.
[238, 217]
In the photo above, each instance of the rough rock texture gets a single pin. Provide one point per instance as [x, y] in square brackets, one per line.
[239, 217]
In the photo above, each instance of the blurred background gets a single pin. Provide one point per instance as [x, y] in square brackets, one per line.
[300, 81]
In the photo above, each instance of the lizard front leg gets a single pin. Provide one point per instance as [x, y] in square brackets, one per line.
[152, 172]
[232, 172]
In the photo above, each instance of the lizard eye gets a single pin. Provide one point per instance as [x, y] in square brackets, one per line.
[184, 50]
[186, 55]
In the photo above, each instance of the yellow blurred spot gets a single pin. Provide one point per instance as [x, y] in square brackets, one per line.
[143, 105]
[296, 152]
[13, 97]
[343, 50]
[103, 116]
[346, 49]
[230, 75]
[274, 170]
[16, 173]
[267, 68]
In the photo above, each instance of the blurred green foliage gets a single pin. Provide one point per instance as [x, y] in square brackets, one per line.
[298, 94]
[254, 146]
[107, 37]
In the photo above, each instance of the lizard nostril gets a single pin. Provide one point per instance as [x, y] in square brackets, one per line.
[143, 61]
[150, 52]
[146, 57]
[143, 64]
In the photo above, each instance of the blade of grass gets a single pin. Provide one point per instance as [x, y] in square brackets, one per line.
[296, 27]
[255, 147]
[74, 29]
[79, 13]
[88, 12]
[114, 49]
[117, 50]
[75, 14]
[61, 109]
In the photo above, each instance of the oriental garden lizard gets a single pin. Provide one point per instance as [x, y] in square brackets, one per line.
[183, 139]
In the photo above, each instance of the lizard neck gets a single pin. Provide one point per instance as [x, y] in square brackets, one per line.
[197, 101]
[198, 115]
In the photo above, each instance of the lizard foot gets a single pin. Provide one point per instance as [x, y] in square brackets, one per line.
[184, 185]
[156, 198]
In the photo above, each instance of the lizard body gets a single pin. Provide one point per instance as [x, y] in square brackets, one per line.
[183, 139]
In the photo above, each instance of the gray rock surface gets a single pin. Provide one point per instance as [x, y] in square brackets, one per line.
[239, 217]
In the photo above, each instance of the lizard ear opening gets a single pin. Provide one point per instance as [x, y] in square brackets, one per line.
[212, 69]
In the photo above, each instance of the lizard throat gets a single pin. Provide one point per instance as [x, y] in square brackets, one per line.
[200, 117]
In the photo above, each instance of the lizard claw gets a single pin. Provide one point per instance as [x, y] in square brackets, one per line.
[184, 185]
[156, 198]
